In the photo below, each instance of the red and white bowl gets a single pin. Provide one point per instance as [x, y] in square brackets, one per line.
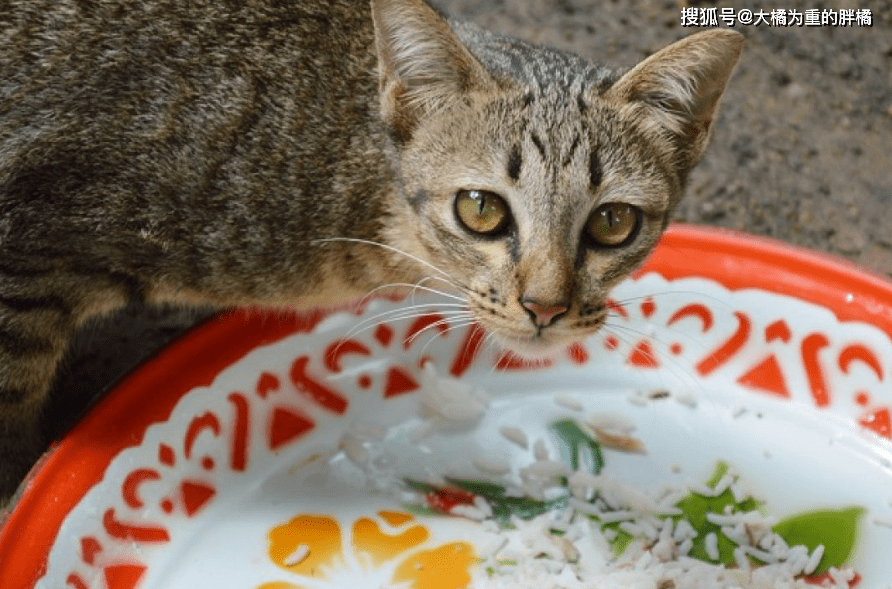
[777, 360]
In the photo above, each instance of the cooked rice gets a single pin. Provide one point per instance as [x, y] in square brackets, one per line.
[516, 435]
[492, 465]
[450, 402]
[570, 548]
[568, 401]
[531, 556]
[354, 448]
[300, 554]
[621, 442]
[540, 451]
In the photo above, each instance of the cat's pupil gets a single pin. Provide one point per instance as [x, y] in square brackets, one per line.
[482, 212]
[481, 202]
[613, 224]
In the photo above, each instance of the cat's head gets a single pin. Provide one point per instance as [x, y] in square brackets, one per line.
[536, 180]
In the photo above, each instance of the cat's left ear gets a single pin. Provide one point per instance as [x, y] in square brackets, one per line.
[422, 64]
[678, 88]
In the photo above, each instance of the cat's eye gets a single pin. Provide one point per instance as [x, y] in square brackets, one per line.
[481, 211]
[613, 224]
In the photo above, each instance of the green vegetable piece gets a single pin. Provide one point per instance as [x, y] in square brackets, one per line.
[721, 469]
[577, 446]
[420, 486]
[420, 509]
[488, 491]
[694, 508]
[836, 529]
[503, 507]
[622, 540]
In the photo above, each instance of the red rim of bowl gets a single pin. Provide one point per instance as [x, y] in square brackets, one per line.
[76, 463]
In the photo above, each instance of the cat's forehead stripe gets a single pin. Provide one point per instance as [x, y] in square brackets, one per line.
[515, 162]
[568, 158]
[540, 146]
[595, 170]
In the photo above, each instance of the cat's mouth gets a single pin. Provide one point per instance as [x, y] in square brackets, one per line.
[536, 344]
[527, 337]
[534, 347]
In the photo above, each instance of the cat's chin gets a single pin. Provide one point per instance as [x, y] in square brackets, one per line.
[533, 349]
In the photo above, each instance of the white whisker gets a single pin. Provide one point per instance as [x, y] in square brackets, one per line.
[694, 381]
[450, 281]
[466, 316]
[361, 303]
[410, 286]
[408, 311]
[656, 295]
[381, 245]
[414, 309]
[451, 326]
[490, 340]
[673, 365]
[394, 315]
[438, 292]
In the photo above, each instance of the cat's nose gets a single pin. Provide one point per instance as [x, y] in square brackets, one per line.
[543, 314]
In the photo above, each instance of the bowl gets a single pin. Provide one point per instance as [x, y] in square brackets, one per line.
[389, 444]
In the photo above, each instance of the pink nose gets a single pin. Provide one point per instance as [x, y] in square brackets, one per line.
[543, 315]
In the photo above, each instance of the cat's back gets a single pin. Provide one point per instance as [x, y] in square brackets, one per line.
[77, 41]
[115, 114]
[76, 73]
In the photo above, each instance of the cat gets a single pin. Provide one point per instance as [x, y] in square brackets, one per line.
[294, 154]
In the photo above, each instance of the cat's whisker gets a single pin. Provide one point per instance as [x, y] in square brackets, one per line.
[688, 339]
[408, 286]
[357, 330]
[398, 314]
[381, 245]
[673, 365]
[479, 342]
[616, 331]
[415, 309]
[694, 294]
[449, 317]
[491, 341]
[445, 294]
[442, 275]
[436, 291]
[447, 322]
[451, 281]
[693, 380]
[451, 326]
[416, 286]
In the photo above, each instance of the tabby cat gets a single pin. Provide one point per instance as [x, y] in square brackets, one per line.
[294, 153]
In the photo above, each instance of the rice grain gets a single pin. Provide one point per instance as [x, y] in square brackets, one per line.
[568, 401]
[515, 435]
[492, 465]
[299, 555]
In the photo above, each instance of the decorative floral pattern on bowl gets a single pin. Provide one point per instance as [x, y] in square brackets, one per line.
[315, 551]
[268, 452]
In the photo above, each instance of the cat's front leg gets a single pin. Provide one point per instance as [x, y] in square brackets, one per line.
[33, 339]
[21, 445]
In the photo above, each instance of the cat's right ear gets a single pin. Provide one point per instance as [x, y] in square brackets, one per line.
[422, 65]
[678, 88]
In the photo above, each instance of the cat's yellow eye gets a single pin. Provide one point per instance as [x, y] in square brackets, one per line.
[482, 211]
[613, 224]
